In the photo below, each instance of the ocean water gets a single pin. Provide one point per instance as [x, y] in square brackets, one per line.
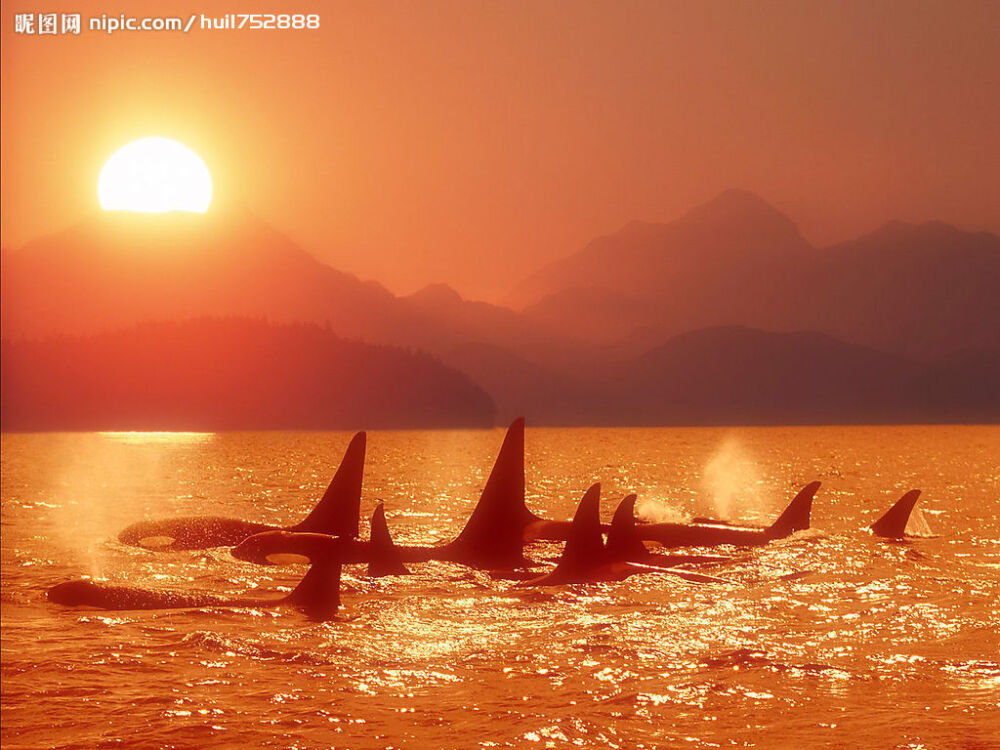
[828, 638]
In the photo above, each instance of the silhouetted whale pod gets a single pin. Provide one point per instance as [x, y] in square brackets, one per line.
[336, 513]
[491, 539]
[892, 525]
[317, 594]
[385, 558]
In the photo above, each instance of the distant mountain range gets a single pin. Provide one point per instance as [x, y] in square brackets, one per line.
[725, 315]
[923, 291]
[116, 269]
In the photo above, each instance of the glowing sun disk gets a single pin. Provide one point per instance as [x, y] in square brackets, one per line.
[154, 175]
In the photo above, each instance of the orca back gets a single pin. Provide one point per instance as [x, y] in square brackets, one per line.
[493, 536]
[339, 510]
[584, 550]
[624, 543]
[796, 516]
[892, 525]
[318, 593]
[385, 558]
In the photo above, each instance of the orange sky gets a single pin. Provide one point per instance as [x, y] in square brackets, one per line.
[471, 141]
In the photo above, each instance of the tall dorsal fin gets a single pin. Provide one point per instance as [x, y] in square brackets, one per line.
[385, 558]
[796, 516]
[339, 510]
[318, 593]
[584, 548]
[494, 534]
[624, 544]
[892, 525]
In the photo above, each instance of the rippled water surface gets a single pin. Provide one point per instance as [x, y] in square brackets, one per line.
[831, 637]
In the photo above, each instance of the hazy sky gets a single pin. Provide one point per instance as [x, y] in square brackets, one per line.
[471, 141]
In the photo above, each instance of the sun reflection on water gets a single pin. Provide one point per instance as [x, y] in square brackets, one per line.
[140, 437]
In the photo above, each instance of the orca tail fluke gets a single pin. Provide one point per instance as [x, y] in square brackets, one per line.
[493, 537]
[624, 544]
[318, 593]
[385, 559]
[338, 512]
[796, 516]
[892, 525]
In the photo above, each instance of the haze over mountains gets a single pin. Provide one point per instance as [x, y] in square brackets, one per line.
[919, 290]
[702, 319]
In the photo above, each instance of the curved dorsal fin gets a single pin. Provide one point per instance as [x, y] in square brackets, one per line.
[584, 548]
[384, 559]
[318, 593]
[892, 525]
[624, 544]
[494, 534]
[339, 510]
[796, 516]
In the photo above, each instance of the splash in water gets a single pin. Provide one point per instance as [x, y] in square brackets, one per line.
[917, 524]
[652, 511]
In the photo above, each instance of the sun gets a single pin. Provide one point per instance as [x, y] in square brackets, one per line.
[154, 175]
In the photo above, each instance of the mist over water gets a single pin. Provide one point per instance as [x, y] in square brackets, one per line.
[654, 511]
[828, 638]
[730, 488]
[732, 482]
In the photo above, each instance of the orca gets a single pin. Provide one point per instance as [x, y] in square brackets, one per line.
[336, 513]
[700, 532]
[586, 559]
[624, 544]
[892, 525]
[492, 538]
[384, 557]
[703, 532]
[317, 594]
[280, 547]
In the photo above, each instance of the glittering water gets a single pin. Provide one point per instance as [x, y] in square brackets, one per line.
[831, 637]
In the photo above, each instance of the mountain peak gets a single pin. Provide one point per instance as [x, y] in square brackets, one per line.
[742, 212]
[436, 295]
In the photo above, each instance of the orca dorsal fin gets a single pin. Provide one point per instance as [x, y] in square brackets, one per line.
[385, 558]
[339, 510]
[494, 534]
[892, 525]
[624, 543]
[796, 516]
[584, 548]
[318, 593]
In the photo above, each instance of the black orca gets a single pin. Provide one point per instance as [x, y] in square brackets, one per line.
[278, 546]
[384, 557]
[625, 545]
[892, 525]
[698, 533]
[586, 559]
[317, 594]
[336, 513]
[492, 538]
[707, 533]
